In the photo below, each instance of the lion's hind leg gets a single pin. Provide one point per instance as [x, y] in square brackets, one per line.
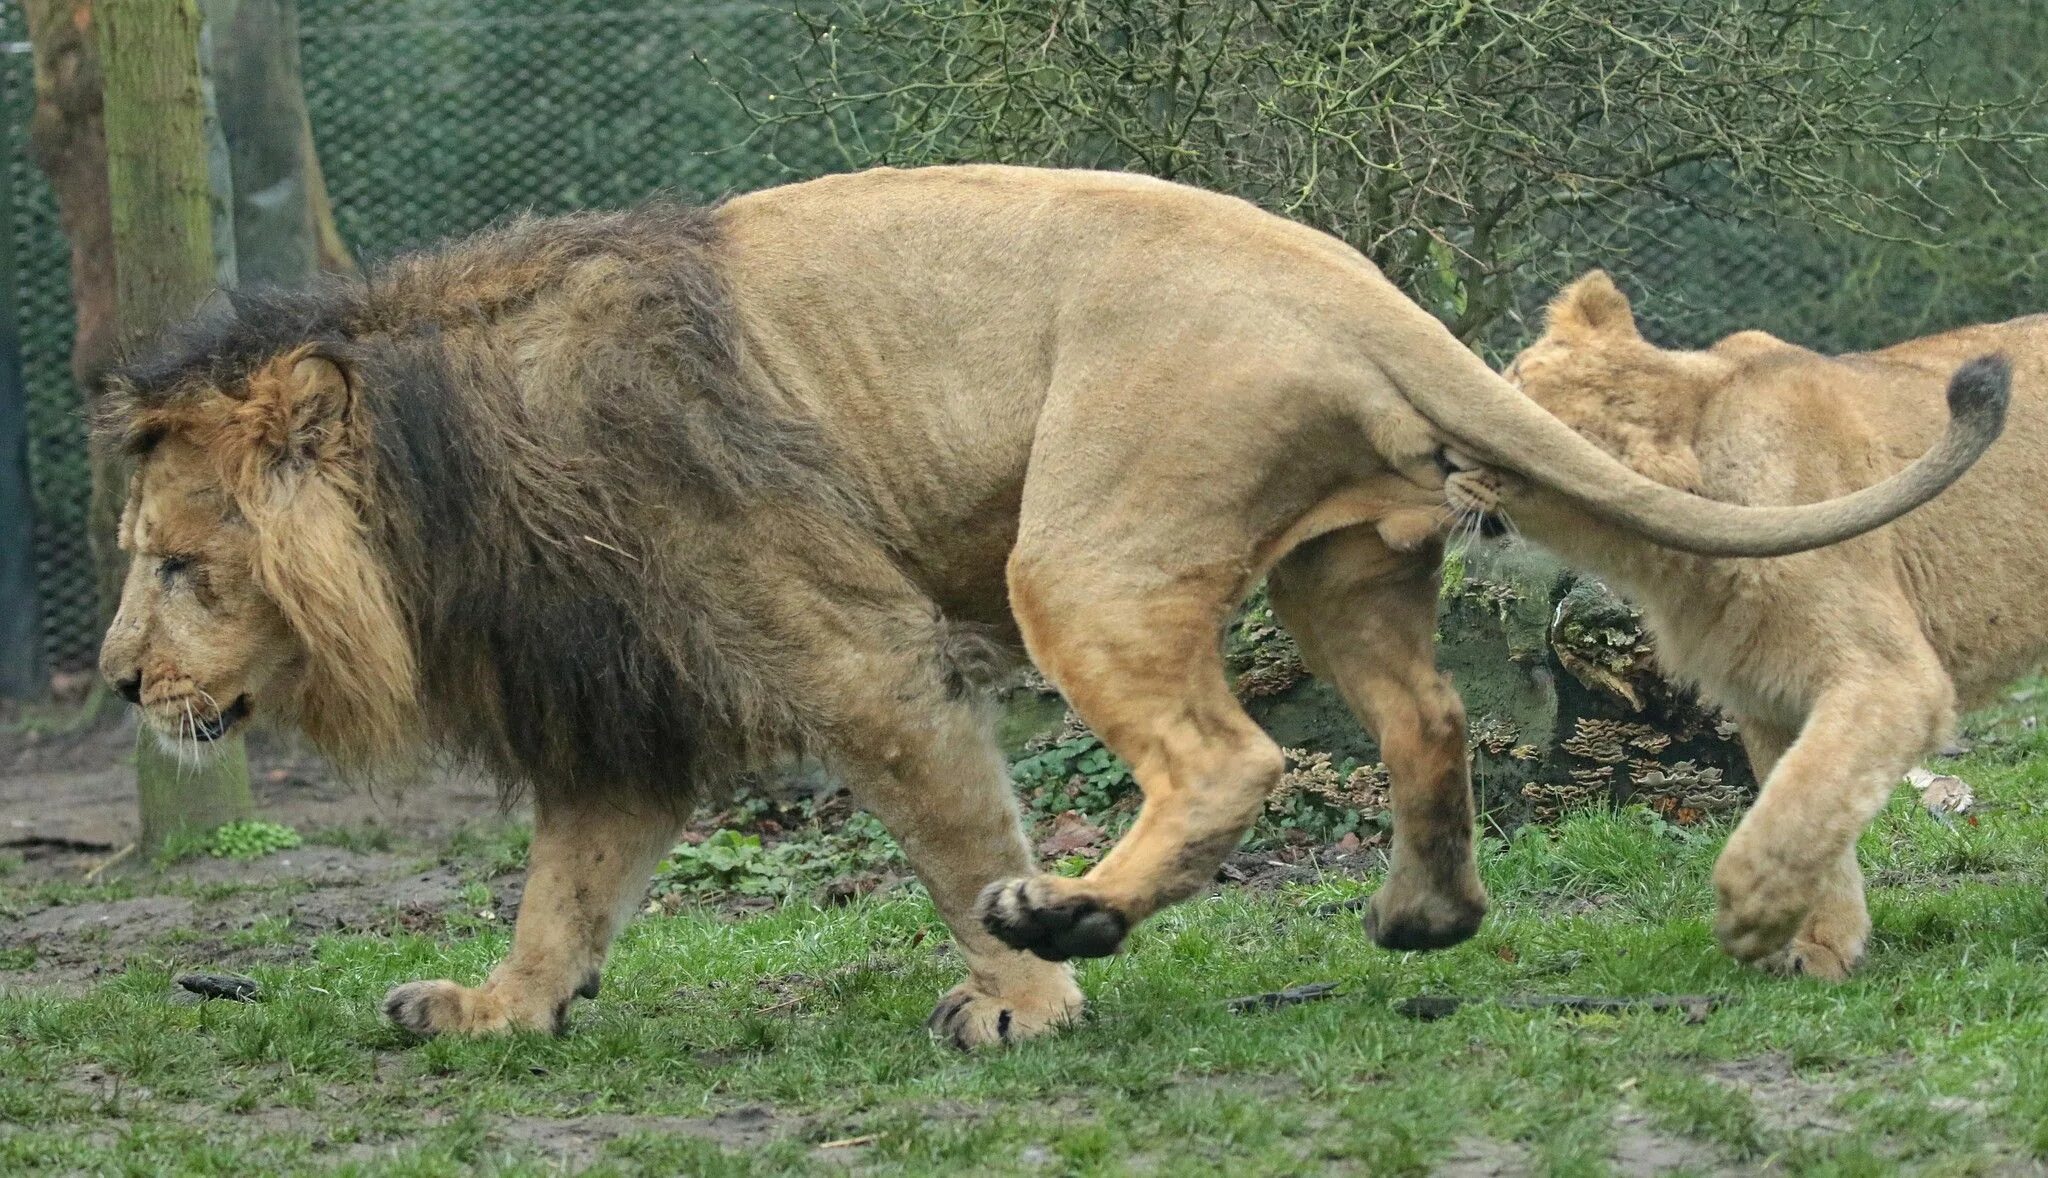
[1145, 671]
[588, 870]
[1365, 617]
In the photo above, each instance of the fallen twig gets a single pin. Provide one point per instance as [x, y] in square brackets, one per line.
[1431, 1007]
[109, 861]
[1340, 907]
[849, 1142]
[1291, 996]
[83, 846]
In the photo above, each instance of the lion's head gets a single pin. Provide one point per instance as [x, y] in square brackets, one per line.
[1593, 370]
[251, 589]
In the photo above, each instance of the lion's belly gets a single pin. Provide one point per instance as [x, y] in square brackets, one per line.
[960, 562]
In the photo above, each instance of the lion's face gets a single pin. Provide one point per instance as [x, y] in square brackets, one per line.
[196, 642]
[253, 588]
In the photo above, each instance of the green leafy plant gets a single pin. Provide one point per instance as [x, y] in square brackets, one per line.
[727, 861]
[1077, 773]
[732, 862]
[251, 840]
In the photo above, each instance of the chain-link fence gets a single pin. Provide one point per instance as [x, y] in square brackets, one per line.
[434, 117]
[60, 482]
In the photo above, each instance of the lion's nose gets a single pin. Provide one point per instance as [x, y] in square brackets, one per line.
[130, 688]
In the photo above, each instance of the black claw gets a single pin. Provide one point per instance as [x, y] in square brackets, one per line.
[946, 1010]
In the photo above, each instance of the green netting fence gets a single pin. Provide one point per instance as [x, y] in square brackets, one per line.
[432, 118]
[435, 117]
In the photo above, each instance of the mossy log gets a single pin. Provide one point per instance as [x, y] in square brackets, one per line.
[1566, 707]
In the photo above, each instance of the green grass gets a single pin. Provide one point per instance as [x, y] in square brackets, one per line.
[743, 1046]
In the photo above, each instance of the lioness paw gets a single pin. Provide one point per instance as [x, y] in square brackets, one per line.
[1045, 916]
[1813, 959]
[1762, 902]
[441, 1007]
[969, 1017]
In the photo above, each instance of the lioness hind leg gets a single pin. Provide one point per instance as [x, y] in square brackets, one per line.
[587, 871]
[1146, 673]
[1365, 618]
[933, 775]
[1789, 869]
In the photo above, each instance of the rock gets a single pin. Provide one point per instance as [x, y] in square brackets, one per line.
[233, 987]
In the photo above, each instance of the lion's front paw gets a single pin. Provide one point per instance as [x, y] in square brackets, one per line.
[441, 1007]
[1051, 917]
[1763, 901]
[969, 1017]
[1830, 945]
[1813, 959]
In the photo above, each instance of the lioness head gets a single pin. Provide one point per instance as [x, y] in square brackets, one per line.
[1593, 370]
[251, 588]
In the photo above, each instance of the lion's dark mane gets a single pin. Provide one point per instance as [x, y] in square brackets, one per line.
[555, 646]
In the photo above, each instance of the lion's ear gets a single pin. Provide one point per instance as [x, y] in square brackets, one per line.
[1593, 306]
[305, 399]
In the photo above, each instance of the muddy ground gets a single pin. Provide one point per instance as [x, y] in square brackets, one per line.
[381, 858]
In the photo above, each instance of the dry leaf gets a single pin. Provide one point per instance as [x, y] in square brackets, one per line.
[1942, 794]
[1071, 832]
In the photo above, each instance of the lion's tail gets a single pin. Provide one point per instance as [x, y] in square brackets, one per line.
[1496, 422]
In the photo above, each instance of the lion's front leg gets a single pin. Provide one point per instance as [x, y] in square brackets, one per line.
[1790, 893]
[933, 774]
[587, 871]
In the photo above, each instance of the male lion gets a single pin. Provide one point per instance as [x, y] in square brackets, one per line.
[1844, 666]
[621, 506]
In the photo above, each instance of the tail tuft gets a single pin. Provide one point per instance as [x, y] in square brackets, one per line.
[1978, 392]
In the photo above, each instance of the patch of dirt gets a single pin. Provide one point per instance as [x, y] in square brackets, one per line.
[573, 1144]
[199, 912]
[1784, 1100]
[67, 806]
[75, 943]
[76, 792]
[1483, 1157]
[1279, 867]
[1640, 1148]
[336, 890]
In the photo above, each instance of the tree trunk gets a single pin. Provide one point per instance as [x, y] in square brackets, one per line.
[283, 226]
[162, 215]
[67, 139]
[68, 142]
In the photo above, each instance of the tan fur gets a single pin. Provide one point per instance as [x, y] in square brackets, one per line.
[1843, 666]
[621, 507]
